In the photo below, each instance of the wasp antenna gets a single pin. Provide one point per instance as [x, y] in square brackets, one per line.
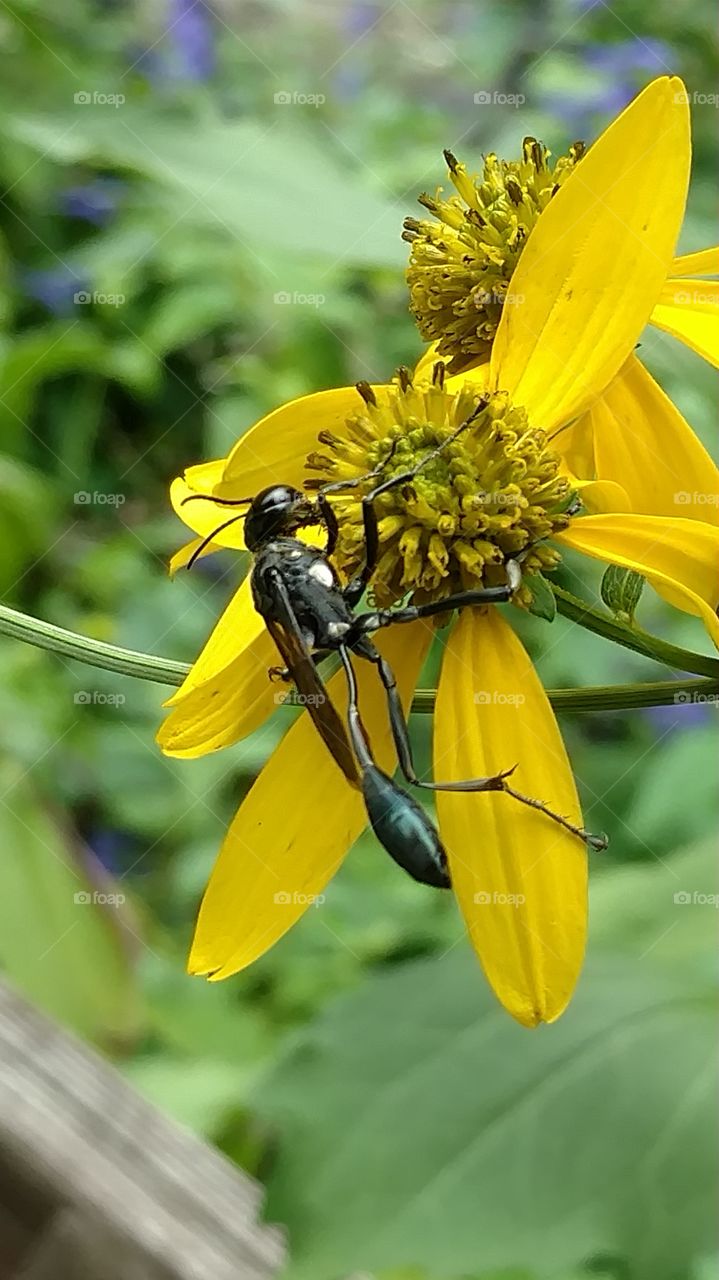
[219, 502]
[206, 541]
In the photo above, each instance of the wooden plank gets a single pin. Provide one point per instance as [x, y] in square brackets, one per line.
[86, 1159]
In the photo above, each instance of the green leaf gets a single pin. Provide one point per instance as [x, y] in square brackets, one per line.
[667, 910]
[63, 950]
[678, 799]
[441, 1134]
[272, 187]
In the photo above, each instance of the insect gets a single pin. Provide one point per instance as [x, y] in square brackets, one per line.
[310, 615]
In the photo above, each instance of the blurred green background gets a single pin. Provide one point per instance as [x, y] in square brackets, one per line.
[200, 218]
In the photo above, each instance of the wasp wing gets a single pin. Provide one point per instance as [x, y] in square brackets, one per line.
[287, 635]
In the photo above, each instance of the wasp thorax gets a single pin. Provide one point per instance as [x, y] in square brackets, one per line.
[461, 266]
[488, 494]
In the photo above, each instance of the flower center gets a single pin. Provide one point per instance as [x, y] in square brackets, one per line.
[489, 490]
[461, 266]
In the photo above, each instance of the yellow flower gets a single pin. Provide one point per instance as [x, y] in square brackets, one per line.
[519, 879]
[469, 283]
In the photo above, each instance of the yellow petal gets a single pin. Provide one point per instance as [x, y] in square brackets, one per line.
[679, 557]
[295, 825]
[643, 443]
[703, 263]
[575, 446]
[478, 376]
[181, 558]
[275, 449]
[689, 310]
[602, 496]
[227, 693]
[206, 517]
[521, 880]
[204, 477]
[596, 261]
[426, 362]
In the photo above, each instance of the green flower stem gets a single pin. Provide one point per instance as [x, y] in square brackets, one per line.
[126, 662]
[145, 666]
[612, 697]
[632, 637]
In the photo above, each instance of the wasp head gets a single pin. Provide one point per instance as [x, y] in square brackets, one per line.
[277, 512]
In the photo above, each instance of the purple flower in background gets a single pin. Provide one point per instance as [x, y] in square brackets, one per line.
[351, 75]
[95, 201]
[185, 52]
[192, 39]
[56, 288]
[631, 55]
[681, 716]
[616, 73]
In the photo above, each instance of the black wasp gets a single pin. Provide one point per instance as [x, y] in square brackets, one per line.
[310, 615]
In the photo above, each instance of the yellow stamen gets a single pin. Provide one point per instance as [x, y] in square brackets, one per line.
[461, 266]
[492, 491]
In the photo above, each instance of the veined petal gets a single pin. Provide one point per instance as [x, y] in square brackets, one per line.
[204, 517]
[521, 879]
[642, 441]
[295, 825]
[227, 693]
[595, 263]
[703, 263]
[275, 449]
[690, 312]
[679, 557]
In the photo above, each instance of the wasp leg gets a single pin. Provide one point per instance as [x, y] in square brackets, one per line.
[399, 822]
[330, 520]
[410, 613]
[496, 782]
[355, 589]
[284, 673]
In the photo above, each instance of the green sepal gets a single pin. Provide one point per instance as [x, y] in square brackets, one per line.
[621, 589]
[543, 603]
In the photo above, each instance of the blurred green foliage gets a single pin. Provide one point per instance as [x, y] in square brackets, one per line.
[199, 219]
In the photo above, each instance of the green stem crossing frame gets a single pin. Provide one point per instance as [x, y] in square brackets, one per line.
[146, 666]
